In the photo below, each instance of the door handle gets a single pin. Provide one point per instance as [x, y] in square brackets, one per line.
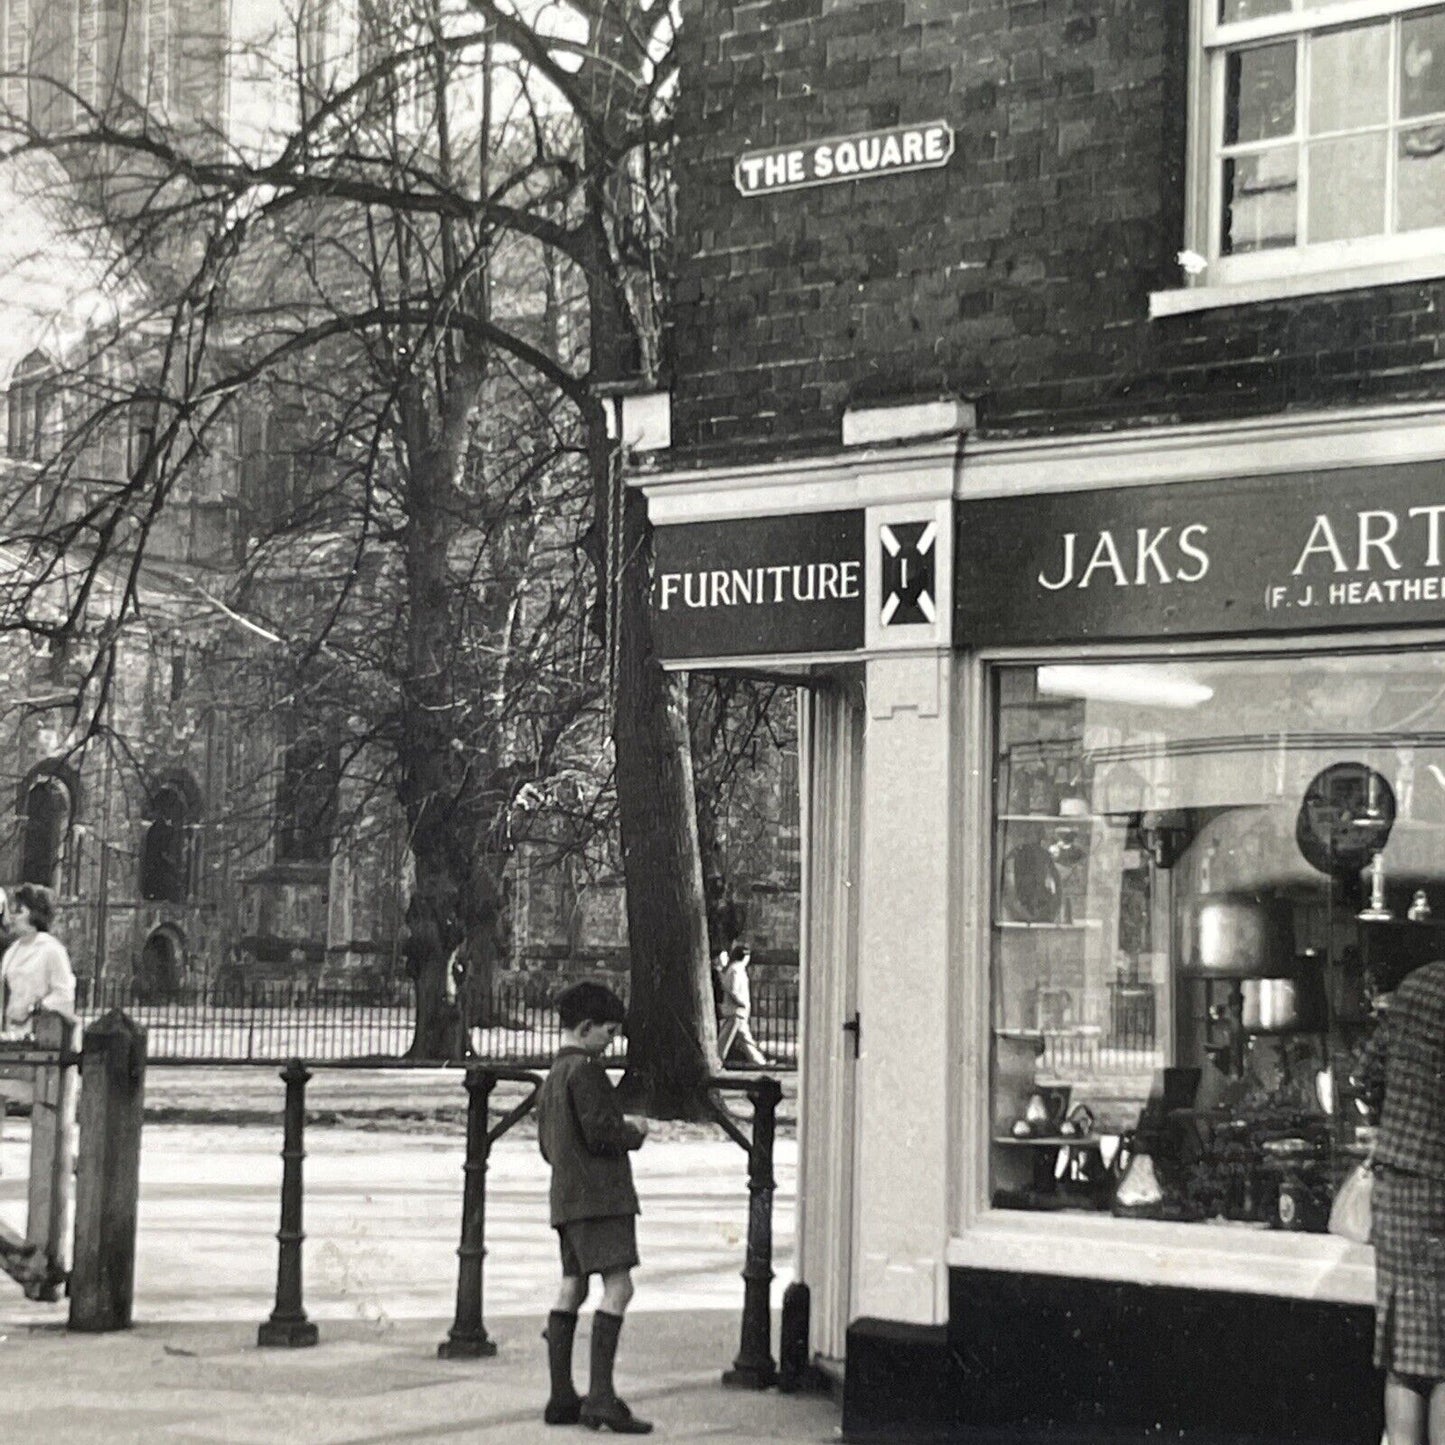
[854, 1026]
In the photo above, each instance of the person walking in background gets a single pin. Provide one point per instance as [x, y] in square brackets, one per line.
[1402, 1081]
[35, 972]
[719, 967]
[586, 1138]
[736, 1009]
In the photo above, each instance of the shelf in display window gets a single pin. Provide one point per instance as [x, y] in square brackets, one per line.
[1059, 819]
[1055, 926]
[1051, 1141]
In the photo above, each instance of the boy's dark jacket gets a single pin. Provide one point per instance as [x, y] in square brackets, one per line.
[584, 1137]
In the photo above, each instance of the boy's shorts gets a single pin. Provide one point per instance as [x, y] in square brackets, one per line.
[598, 1246]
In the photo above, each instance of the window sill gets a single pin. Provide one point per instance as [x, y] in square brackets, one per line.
[1277, 288]
[1236, 1258]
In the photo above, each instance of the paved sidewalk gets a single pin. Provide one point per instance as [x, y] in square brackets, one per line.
[364, 1385]
[382, 1221]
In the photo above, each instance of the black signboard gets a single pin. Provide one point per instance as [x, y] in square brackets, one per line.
[1358, 547]
[760, 586]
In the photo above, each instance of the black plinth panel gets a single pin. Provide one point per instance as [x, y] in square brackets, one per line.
[1034, 1357]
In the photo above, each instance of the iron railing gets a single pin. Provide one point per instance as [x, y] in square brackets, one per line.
[277, 1019]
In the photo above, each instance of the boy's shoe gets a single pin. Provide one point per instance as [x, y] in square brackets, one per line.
[615, 1416]
[563, 1412]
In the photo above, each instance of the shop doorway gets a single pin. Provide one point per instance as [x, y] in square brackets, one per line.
[832, 739]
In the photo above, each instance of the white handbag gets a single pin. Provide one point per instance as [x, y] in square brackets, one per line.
[1350, 1214]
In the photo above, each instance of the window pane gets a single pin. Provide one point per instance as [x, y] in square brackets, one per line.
[1420, 179]
[1259, 202]
[1259, 93]
[1232, 10]
[1422, 64]
[1347, 188]
[1349, 79]
[1205, 875]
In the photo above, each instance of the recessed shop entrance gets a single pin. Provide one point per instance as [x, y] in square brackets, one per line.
[832, 732]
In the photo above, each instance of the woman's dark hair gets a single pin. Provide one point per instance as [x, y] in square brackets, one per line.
[589, 1000]
[739, 951]
[39, 900]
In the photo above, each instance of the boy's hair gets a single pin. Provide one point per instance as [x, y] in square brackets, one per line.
[739, 951]
[589, 1000]
[39, 900]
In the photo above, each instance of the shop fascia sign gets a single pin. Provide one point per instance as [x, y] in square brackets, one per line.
[813, 583]
[759, 586]
[1357, 547]
[892, 151]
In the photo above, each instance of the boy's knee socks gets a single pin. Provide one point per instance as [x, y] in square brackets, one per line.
[605, 1330]
[561, 1328]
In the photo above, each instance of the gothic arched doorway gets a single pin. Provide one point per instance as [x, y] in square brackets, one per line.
[159, 969]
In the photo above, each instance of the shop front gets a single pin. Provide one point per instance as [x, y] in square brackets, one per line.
[1109, 877]
[1209, 810]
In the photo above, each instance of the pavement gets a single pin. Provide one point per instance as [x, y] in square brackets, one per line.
[383, 1202]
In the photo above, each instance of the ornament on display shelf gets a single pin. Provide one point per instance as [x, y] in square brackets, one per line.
[1376, 911]
[1139, 1186]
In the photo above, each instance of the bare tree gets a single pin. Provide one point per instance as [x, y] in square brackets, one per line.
[429, 249]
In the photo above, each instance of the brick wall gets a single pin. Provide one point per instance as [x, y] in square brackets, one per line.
[1019, 275]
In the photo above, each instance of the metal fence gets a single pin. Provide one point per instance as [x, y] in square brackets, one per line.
[280, 1020]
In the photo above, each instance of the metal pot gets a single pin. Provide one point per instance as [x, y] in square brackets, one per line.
[1272, 1005]
[1236, 937]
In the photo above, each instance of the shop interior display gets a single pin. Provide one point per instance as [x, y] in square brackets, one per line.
[1195, 926]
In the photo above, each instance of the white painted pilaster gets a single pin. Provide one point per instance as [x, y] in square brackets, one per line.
[903, 995]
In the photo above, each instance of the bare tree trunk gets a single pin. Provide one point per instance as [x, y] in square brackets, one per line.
[434, 923]
[429, 765]
[672, 1032]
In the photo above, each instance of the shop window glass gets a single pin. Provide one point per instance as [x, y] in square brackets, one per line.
[1206, 877]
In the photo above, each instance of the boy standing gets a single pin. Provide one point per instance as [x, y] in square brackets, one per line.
[585, 1137]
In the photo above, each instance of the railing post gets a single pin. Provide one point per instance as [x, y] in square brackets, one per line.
[107, 1185]
[755, 1367]
[467, 1339]
[288, 1324]
[52, 1153]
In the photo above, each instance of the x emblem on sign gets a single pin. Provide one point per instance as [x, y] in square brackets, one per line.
[907, 578]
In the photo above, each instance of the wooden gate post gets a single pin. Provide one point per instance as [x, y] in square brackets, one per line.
[107, 1186]
[52, 1155]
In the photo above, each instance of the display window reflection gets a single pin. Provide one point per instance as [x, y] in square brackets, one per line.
[1207, 878]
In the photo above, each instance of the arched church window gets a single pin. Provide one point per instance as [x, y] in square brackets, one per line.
[33, 410]
[47, 824]
[165, 867]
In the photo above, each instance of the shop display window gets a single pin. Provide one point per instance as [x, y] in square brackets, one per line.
[1207, 877]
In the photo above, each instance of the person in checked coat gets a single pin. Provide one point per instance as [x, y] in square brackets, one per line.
[586, 1138]
[1402, 1079]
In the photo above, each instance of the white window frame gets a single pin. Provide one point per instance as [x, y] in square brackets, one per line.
[1286, 271]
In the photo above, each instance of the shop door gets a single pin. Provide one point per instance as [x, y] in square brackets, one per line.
[832, 730]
